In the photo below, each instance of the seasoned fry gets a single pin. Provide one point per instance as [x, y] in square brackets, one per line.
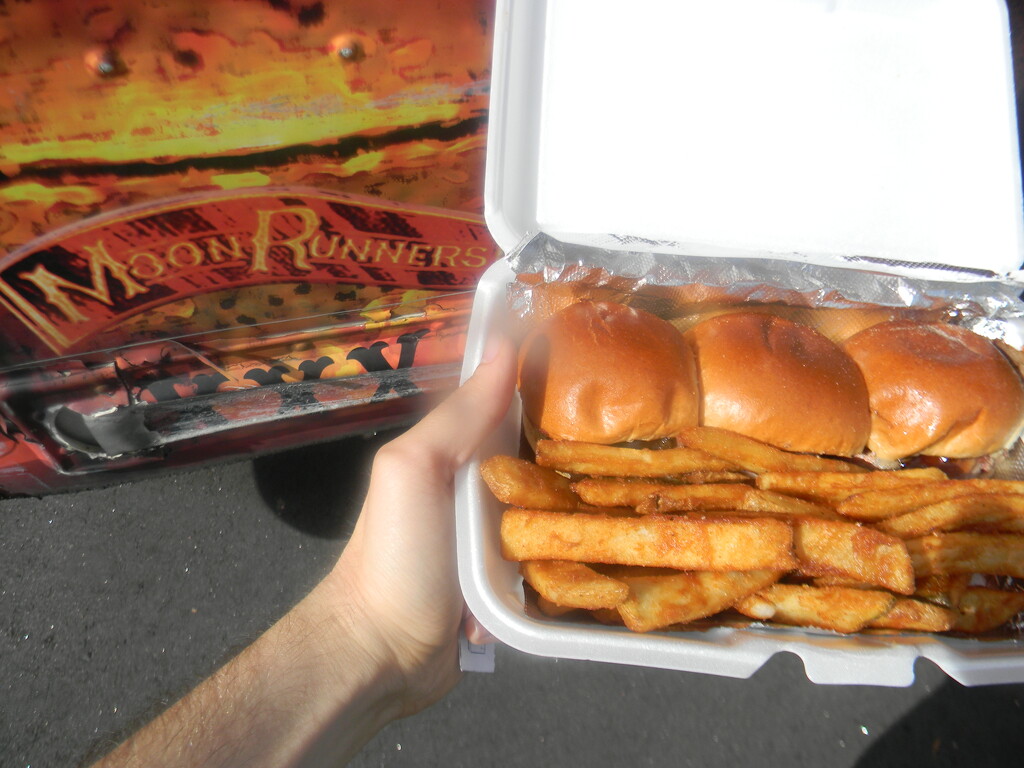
[739, 498]
[982, 609]
[943, 589]
[620, 492]
[954, 514]
[573, 585]
[952, 553]
[659, 601]
[841, 609]
[708, 477]
[833, 487]
[704, 545]
[890, 502]
[754, 455]
[521, 483]
[852, 551]
[551, 609]
[612, 461]
[915, 616]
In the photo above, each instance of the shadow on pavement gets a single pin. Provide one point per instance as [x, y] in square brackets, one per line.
[956, 726]
[319, 489]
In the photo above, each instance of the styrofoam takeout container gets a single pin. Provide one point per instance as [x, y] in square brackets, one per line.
[824, 131]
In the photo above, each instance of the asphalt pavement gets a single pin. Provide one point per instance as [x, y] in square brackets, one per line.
[115, 602]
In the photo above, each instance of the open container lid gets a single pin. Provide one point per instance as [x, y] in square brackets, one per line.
[801, 129]
[813, 130]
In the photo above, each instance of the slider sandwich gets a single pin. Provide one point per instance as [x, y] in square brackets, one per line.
[602, 372]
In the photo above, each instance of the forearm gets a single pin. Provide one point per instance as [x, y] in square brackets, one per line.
[310, 688]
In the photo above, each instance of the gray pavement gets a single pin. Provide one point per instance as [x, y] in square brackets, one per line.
[114, 602]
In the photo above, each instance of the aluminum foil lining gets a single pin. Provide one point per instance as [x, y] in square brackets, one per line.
[987, 303]
[990, 305]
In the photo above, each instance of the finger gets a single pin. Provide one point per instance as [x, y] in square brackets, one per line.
[454, 429]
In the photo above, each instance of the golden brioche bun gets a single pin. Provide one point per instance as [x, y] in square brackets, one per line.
[937, 390]
[603, 372]
[780, 382]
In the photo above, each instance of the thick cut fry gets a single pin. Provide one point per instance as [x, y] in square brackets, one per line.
[521, 483]
[943, 589]
[708, 476]
[954, 514]
[612, 461]
[739, 498]
[701, 545]
[841, 609]
[852, 551]
[951, 553]
[833, 487]
[573, 585]
[890, 502]
[915, 616]
[755, 456]
[659, 601]
[551, 609]
[982, 609]
[620, 492]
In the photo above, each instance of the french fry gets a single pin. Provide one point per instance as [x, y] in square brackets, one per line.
[693, 545]
[982, 609]
[655, 602]
[708, 476]
[573, 585]
[953, 553]
[612, 461]
[608, 616]
[852, 551]
[551, 609]
[618, 491]
[943, 589]
[840, 609]
[912, 615]
[755, 456]
[739, 498]
[833, 487]
[956, 513]
[890, 502]
[838, 581]
[521, 483]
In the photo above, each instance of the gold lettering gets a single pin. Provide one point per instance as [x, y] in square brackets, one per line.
[418, 254]
[145, 265]
[314, 247]
[263, 244]
[448, 260]
[193, 256]
[384, 250]
[349, 248]
[100, 263]
[479, 258]
[216, 249]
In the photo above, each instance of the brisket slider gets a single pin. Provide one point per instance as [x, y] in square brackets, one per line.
[603, 372]
[780, 382]
[937, 390]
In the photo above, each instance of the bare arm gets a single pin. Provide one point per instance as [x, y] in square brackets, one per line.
[374, 641]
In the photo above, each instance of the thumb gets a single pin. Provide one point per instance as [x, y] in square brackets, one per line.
[455, 428]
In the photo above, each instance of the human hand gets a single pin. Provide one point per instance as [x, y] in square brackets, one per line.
[399, 566]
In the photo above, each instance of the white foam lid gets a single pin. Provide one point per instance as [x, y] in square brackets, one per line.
[853, 127]
[792, 128]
